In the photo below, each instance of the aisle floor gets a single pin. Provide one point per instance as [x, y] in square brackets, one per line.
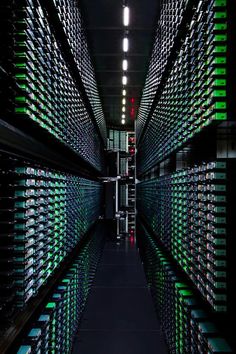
[119, 317]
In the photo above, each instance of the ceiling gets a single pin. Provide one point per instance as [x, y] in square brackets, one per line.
[105, 31]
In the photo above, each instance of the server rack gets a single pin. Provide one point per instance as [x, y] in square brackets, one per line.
[52, 139]
[131, 191]
[185, 170]
[123, 143]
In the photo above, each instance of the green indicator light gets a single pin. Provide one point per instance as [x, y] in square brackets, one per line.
[185, 292]
[20, 65]
[220, 60]
[220, 116]
[220, 38]
[23, 86]
[21, 110]
[180, 285]
[220, 71]
[21, 99]
[21, 44]
[220, 26]
[21, 54]
[221, 14]
[220, 3]
[219, 93]
[220, 49]
[51, 305]
[21, 76]
[220, 82]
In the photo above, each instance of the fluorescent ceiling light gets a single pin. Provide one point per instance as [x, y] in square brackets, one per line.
[123, 101]
[125, 44]
[126, 16]
[124, 92]
[123, 121]
[123, 109]
[125, 64]
[124, 80]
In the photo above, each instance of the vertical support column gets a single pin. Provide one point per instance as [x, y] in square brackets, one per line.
[117, 192]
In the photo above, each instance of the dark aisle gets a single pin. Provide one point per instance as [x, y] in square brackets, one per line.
[119, 317]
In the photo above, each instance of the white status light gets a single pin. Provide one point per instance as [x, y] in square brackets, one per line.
[122, 121]
[123, 109]
[124, 92]
[123, 101]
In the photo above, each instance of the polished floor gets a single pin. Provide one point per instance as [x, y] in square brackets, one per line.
[119, 317]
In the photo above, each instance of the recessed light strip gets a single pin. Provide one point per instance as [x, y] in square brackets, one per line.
[125, 64]
[125, 44]
[124, 80]
[126, 16]
[125, 47]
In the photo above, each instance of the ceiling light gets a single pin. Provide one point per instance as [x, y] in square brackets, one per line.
[123, 109]
[124, 92]
[122, 121]
[125, 64]
[123, 101]
[124, 80]
[125, 44]
[126, 16]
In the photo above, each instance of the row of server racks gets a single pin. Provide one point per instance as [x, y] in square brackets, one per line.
[186, 173]
[52, 141]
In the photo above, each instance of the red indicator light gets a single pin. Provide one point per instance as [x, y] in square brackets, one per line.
[132, 113]
[132, 240]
